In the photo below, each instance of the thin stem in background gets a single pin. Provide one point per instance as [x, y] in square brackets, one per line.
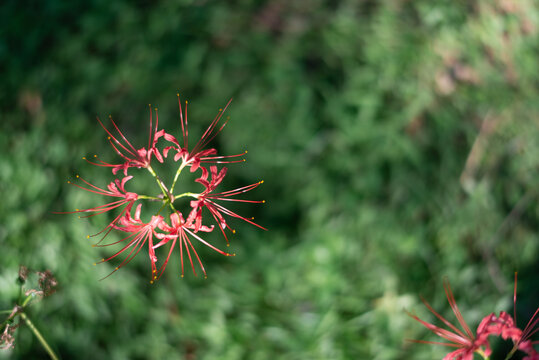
[164, 190]
[176, 176]
[39, 336]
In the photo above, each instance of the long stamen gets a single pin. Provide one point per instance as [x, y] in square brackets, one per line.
[455, 309]
[515, 300]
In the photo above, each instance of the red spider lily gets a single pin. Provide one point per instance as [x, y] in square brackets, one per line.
[115, 189]
[179, 233]
[207, 199]
[140, 234]
[465, 342]
[502, 325]
[133, 158]
[199, 154]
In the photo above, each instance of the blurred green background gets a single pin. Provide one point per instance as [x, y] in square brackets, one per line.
[398, 141]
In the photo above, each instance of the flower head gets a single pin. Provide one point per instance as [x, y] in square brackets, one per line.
[181, 231]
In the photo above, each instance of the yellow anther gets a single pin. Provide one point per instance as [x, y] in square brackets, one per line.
[233, 231]
[252, 218]
[84, 158]
[234, 254]
[186, 102]
[155, 277]
[263, 201]
[69, 182]
[116, 268]
[95, 264]
[155, 109]
[108, 137]
[228, 117]
[227, 245]
[151, 281]
[96, 155]
[94, 245]
[246, 151]
[178, 94]
[220, 109]
[102, 259]
[79, 216]
[244, 160]
[261, 181]
[205, 276]
[110, 116]
[154, 271]
[87, 236]
[77, 176]
[181, 274]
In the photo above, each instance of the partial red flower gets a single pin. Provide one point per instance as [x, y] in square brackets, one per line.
[140, 158]
[207, 199]
[178, 233]
[199, 154]
[503, 325]
[465, 341]
[140, 234]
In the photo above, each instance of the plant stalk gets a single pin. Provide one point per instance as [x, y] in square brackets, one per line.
[39, 336]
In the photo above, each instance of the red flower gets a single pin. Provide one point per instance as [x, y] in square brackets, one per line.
[133, 158]
[179, 233]
[140, 234]
[207, 199]
[199, 154]
[115, 189]
[502, 325]
[465, 342]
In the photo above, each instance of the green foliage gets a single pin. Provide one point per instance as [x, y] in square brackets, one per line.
[398, 142]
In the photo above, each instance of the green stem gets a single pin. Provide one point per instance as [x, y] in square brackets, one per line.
[25, 302]
[176, 176]
[195, 195]
[6, 321]
[513, 350]
[20, 294]
[39, 336]
[483, 355]
[150, 197]
[159, 182]
[162, 207]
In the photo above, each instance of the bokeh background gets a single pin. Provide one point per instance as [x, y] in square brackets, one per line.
[398, 141]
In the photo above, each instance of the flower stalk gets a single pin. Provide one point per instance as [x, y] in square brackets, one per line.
[46, 287]
[38, 335]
